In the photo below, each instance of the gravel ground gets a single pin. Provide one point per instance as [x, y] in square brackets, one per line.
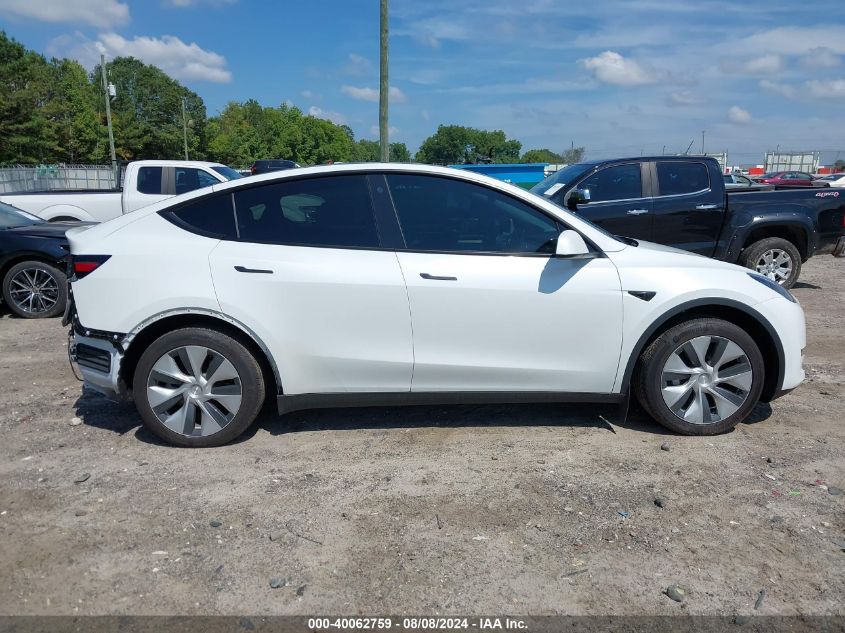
[425, 510]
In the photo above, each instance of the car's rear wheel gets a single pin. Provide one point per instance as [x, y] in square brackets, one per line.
[35, 290]
[701, 377]
[776, 258]
[198, 387]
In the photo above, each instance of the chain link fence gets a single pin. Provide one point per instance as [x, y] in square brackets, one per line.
[52, 177]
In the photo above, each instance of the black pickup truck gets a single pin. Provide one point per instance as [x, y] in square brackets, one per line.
[681, 201]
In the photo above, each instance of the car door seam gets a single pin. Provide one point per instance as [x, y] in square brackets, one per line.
[410, 320]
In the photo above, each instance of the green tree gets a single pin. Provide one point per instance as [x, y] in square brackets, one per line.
[25, 135]
[147, 112]
[367, 151]
[77, 131]
[541, 156]
[573, 155]
[839, 165]
[459, 144]
[399, 153]
[245, 132]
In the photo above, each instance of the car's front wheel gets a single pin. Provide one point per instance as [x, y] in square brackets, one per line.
[198, 387]
[35, 290]
[701, 377]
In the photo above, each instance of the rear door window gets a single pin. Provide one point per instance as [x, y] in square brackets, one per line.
[329, 211]
[680, 177]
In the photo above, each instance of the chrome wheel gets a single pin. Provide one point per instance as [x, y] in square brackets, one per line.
[776, 264]
[194, 390]
[706, 380]
[34, 291]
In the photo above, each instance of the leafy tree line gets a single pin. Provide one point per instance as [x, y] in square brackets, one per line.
[53, 111]
[456, 144]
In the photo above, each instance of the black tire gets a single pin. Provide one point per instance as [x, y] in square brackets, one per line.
[752, 255]
[648, 379]
[250, 378]
[39, 271]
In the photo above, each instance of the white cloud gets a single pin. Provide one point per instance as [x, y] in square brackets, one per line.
[684, 98]
[391, 131]
[785, 90]
[175, 57]
[99, 13]
[335, 117]
[424, 115]
[764, 64]
[794, 40]
[761, 65]
[612, 68]
[826, 88]
[181, 4]
[358, 64]
[362, 94]
[738, 115]
[432, 31]
[821, 57]
[372, 94]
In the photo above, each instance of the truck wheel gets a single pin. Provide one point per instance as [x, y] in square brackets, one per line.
[776, 258]
[701, 377]
[35, 290]
[198, 387]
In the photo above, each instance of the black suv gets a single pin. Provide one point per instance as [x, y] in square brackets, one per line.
[266, 166]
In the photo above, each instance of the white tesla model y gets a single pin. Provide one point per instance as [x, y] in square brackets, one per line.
[385, 284]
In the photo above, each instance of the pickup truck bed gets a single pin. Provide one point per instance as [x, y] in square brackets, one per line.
[145, 182]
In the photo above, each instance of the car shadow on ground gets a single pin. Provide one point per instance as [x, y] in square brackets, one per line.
[100, 412]
[804, 284]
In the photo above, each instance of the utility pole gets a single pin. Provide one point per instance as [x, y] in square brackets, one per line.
[108, 116]
[185, 127]
[384, 87]
[702, 141]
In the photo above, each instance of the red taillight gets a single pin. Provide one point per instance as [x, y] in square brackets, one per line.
[253, 169]
[86, 264]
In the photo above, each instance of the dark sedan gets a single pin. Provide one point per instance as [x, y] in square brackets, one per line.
[32, 262]
[266, 166]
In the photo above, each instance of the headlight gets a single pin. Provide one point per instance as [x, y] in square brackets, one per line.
[783, 292]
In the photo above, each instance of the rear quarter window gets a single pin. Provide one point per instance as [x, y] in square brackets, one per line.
[212, 216]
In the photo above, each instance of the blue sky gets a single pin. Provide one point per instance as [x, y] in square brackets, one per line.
[619, 77]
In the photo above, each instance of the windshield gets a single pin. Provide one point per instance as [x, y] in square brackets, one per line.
[227, 172]
[556, 181]
[12, 216]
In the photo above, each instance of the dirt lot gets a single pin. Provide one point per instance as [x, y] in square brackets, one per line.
[493, 509]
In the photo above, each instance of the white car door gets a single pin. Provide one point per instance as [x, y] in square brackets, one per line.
[491, 307]
[309, 276]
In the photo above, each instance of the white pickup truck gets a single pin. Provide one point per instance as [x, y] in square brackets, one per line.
[144, 182]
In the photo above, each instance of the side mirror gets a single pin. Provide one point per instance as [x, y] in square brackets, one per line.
[571, 244]
[576, 197]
